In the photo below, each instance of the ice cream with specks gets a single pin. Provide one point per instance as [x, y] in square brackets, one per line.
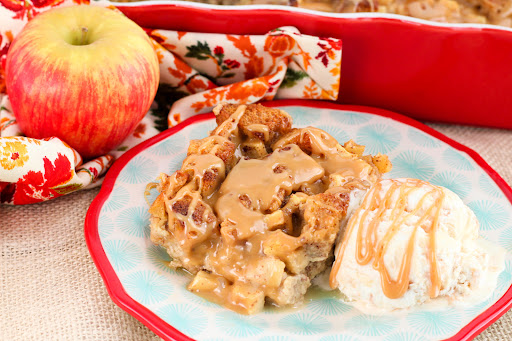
[411, 243]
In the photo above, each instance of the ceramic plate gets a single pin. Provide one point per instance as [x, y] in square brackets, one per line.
[138, 279]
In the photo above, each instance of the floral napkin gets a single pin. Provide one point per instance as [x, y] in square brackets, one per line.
[197, 71]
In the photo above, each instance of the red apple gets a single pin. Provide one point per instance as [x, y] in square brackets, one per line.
[85, 74]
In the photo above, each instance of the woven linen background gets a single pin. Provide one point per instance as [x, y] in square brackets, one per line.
[51, 290]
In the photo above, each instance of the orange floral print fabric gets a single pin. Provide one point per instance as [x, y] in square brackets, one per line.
[197, 72]
[281, 64]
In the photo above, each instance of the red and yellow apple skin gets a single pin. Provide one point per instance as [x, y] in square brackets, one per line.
[85, 74]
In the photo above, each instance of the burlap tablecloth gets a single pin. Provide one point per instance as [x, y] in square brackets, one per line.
[51, 290]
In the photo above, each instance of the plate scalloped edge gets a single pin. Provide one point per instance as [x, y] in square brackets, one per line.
[166, 331]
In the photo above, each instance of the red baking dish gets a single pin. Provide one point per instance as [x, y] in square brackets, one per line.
[429, 71]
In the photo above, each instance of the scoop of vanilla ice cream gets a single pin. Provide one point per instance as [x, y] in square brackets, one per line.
[463, 263]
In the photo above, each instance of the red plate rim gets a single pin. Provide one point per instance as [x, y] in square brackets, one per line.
[168, 332]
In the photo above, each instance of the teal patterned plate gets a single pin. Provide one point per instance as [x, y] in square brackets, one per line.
[138, 279]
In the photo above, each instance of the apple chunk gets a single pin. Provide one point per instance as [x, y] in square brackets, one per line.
[85, 74]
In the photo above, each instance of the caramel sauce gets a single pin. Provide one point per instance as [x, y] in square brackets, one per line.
[369, 248]
[200, 165]
[193, 230]
[248, 203]
[264, 183]
[236, 226]
[326, 150]
[260, 131]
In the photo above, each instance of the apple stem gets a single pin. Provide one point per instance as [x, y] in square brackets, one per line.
[84, 32]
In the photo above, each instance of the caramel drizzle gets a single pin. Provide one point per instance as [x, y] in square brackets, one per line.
[261, 182]
[229, 128]
[328, 153]
[200, 164]
[368, 247]
[256, 128]
[434, 271]
[190, 232]
[219, 141]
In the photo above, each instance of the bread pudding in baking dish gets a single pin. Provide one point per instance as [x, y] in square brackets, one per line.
[496, 12]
